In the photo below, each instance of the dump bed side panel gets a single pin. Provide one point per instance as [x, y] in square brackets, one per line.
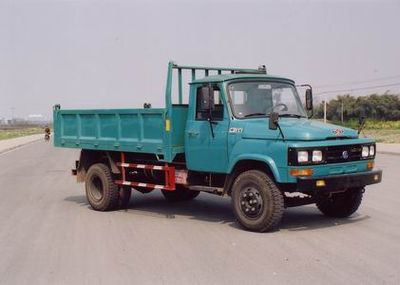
[131, 130]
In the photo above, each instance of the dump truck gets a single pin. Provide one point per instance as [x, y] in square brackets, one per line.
[238, 132]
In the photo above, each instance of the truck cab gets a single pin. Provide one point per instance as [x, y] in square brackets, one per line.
[245, 122]
[229, 116]
[229, 121]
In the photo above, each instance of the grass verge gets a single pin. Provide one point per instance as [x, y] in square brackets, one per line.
[381, 131]
[20, 132]
[370, 124]
[383, 136]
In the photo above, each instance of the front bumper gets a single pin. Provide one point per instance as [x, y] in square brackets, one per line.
[341, 182]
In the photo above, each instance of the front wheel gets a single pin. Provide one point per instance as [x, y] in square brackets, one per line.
[257, 202]
[340, 205]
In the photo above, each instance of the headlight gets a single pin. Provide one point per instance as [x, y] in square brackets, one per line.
[317, 156]
[365, 151]
[372, 150]
[302, 156]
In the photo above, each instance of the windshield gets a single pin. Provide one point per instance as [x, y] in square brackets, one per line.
[258, 99]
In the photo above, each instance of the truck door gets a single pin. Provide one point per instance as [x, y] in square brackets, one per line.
[207, 130]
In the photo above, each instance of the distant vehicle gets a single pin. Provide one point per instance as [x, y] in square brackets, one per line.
[243, 133]
[47, 134]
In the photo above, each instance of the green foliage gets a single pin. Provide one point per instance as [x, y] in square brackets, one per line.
[374, 107]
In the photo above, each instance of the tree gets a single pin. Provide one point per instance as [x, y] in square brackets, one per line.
[374, 106]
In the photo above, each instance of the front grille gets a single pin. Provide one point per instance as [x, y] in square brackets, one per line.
[330, 154]
[343, 153]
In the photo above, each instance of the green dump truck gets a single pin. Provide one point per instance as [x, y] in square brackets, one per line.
[243, 133]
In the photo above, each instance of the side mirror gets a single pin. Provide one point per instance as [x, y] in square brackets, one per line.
[309, 100]
[273, 120]
[206, 99]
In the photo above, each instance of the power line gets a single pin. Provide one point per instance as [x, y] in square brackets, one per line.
[359, 88]
[359, 82]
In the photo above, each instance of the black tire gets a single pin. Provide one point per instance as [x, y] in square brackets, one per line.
[340, 205]
[257, 202]
[181, 193]
[101, 192]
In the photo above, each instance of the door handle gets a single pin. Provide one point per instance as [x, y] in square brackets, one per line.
[193, 134]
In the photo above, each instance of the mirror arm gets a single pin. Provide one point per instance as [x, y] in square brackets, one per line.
[280, 130]
[305, 85]
[361, 125]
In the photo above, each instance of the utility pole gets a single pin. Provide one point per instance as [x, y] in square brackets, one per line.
[325, 111]
[12, 115]
[341, 113]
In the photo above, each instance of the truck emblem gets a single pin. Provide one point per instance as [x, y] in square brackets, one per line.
[345, 154]
[338, 132]
[235, 130]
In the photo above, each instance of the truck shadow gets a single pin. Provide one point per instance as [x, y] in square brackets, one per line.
[209, 208]
[310, 218]
[206, 207]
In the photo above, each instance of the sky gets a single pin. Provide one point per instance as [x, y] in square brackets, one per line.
[114, 54]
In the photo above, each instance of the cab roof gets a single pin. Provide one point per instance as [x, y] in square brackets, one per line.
[235, 76]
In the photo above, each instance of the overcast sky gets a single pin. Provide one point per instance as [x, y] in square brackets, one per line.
[114, 54]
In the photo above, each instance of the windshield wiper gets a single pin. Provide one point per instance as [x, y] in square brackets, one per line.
[254, 114]
[291, 116]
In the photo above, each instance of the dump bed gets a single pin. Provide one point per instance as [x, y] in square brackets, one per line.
[154, 131]
[129, 130]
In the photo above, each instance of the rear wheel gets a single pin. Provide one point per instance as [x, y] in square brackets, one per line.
[181, 193]
[257, 202]
[340, 205]
[101, 192]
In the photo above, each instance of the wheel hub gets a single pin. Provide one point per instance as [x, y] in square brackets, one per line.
[251, 202]
[96, 188]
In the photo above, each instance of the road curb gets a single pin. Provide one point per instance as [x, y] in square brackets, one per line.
[389, 152]
[2, 151]
[388, 148]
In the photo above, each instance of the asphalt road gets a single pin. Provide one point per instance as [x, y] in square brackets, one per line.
[49, 234]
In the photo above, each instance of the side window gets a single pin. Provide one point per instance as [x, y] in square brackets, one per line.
[217, 112]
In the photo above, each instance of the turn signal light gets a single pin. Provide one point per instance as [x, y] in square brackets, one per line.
[370, 165]
[301, 172]
[167, 125]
